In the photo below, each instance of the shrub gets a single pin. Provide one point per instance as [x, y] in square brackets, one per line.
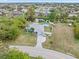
[10, 29]
[8, 33]
[76, 30]
[15, 54]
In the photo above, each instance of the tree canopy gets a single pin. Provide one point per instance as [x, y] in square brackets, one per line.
[30, 13]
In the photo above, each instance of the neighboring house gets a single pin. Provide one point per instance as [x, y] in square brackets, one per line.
[42, 10]
[3, 12]
[24, 10]
[72, 14]
[16, 13]
[38, 20]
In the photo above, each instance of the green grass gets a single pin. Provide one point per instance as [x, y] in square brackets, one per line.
[42, 22]
[47, 29]
[26, 39]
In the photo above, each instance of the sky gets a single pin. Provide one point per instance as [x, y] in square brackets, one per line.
[50, 1]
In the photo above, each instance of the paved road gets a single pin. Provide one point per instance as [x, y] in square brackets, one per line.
[45, 53]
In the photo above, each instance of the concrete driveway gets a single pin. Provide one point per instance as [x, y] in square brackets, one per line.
[39, 28]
